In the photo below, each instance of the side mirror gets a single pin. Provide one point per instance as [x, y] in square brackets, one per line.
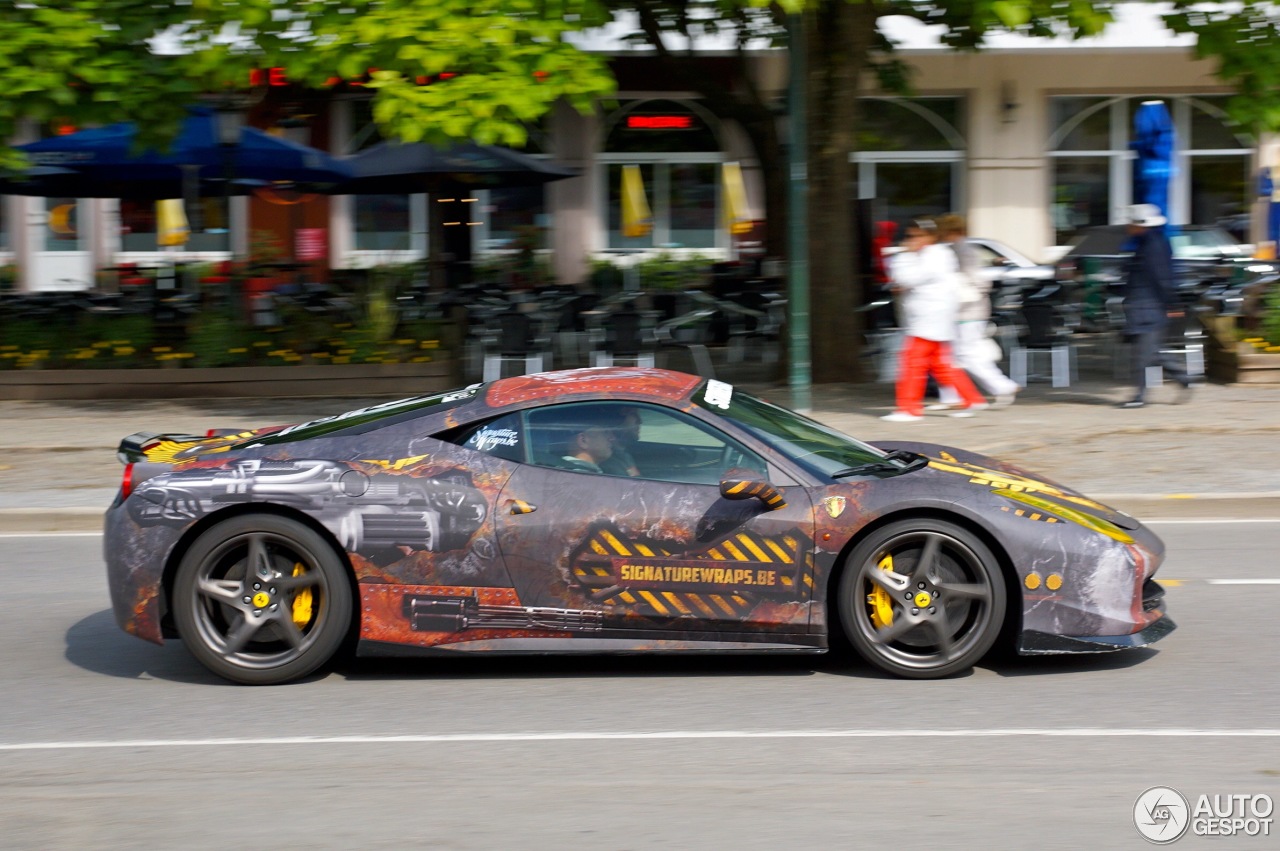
[750, 488]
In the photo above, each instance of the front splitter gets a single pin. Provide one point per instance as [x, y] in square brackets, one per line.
[1035, 643]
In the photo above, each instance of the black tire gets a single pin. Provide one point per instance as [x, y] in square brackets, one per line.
[892, 617]
[265, 624]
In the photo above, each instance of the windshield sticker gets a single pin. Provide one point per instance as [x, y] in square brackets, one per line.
[487, 439]
[718, 394]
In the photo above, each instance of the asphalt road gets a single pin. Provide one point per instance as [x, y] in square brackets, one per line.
[109, 742]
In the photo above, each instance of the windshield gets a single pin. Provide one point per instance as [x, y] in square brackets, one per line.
[1200, 244]
[820, 449]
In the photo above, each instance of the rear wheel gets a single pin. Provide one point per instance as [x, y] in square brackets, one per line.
[262, 599]
[922, 599]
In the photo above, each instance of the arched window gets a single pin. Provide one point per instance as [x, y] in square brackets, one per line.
[909, 158]
[1092, 166]
[678, 152]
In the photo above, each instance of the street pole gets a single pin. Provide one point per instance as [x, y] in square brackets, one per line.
[800, 376]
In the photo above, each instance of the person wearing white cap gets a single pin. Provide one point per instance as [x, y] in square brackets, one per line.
[1150, 299]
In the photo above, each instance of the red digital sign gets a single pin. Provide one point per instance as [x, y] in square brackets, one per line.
[659, 122]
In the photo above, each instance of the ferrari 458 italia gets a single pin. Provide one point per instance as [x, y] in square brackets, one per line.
[619, 510]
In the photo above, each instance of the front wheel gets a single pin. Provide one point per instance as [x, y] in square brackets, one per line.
[922, 599]
[262, 599]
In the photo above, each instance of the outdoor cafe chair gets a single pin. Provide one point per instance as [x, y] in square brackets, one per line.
[1045, 332]
[517, 338]
[624, 336]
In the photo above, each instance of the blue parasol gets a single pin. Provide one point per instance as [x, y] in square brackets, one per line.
[108, 154]
[1153, 142]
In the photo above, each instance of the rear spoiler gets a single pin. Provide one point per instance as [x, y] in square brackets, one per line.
[134, 447]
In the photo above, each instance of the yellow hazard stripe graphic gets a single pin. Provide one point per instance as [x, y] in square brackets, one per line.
[653, 601]
[783, 556]
[753, 548]
[675, 601]
[616, 545]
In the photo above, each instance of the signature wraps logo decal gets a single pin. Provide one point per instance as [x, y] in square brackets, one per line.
[727, 578]
[695, 575]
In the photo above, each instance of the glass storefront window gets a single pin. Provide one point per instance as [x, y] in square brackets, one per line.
[208, 222]
[381, 222]
[907, 190]
[515, 216]
[908, 158]
[1081, 195]
[1219, 187]
[1092, 163]
[613, 207]
[693, 204]
[1082, 123]
[1210, 129]
[62, 225]
[679, 157]
[922, 124]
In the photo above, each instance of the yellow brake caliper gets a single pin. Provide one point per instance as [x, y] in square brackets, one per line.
[878, 600]
[302, 600]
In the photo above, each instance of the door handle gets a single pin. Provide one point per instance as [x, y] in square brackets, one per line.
[519, 506]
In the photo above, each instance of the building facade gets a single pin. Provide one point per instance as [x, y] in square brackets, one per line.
[1030, 140]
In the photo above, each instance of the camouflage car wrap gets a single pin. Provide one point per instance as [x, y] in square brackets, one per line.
[454, 549]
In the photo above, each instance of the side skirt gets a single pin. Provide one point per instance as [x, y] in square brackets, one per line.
[521, 645]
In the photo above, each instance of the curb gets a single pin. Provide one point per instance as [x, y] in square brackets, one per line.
[1146, 507]
[42, 520]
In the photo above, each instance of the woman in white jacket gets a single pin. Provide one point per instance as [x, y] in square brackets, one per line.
[973, 350]
[926, 275]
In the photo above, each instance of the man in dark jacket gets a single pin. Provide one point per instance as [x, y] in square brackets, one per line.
[1150, 299]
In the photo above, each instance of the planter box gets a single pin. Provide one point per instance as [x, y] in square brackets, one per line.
[400, 379]
[1232, 362]
[1256, 367]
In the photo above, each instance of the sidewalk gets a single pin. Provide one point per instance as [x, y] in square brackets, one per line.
[1219, 452]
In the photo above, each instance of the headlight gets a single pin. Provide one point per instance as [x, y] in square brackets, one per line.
[1057, 509]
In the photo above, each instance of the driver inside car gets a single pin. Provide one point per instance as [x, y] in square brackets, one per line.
[622, 462]
[591, 442]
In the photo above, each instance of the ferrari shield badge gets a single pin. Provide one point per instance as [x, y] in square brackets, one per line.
[835, 505]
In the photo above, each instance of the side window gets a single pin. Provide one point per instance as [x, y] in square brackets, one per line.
[636, 440]
[502, 437]
[984, 256]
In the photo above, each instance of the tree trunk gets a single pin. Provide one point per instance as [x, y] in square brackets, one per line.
[838, 39]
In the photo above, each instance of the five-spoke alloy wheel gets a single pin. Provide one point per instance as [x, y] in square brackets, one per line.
[262, 599]
[922, 598]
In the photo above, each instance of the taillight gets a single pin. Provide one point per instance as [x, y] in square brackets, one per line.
[126, 483]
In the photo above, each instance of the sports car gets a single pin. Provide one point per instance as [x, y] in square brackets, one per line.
[617, 510]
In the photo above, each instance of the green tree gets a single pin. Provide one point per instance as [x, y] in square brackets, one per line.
[98, 61]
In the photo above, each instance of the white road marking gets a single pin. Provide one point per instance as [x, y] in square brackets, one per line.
[50, 534]
[449, 738]
[1243, 581]
[1193, 521]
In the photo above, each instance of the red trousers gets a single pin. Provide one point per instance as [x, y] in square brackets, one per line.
[921, 357]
